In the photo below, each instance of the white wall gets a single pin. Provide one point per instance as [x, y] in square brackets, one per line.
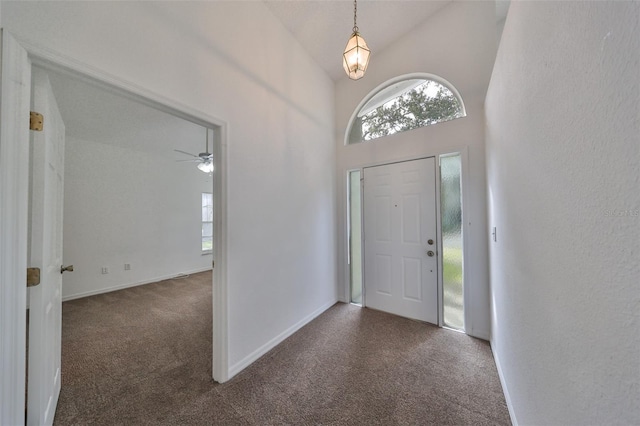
[458, 43]
[235, 61]
[563, 138]
[127, 206]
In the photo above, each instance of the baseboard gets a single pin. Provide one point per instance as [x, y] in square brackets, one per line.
[252, 357]
[505, 390]
[134, 284]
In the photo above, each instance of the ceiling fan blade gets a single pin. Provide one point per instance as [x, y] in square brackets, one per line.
[187, 153]
[189, 161]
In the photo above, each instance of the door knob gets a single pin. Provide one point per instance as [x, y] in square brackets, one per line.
[430, 253]
[66, 268]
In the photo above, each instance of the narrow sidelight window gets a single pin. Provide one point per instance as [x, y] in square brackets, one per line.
[355, 236]
[452, 272]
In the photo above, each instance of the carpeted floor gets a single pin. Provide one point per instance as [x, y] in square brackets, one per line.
[143, 356]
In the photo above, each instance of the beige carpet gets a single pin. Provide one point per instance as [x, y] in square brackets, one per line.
[143, 356]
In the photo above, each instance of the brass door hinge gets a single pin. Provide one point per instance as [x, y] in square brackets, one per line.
[33, 277]
[36, 121]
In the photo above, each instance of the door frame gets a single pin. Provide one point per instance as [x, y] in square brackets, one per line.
[15, 199]
[464, 164]
[14, 194]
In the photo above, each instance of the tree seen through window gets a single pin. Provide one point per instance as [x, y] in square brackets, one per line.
[420, 103]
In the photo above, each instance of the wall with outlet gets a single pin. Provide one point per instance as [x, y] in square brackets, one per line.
[563, 168]
[131, 217]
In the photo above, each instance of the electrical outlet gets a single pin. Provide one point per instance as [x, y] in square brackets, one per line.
[127, 266]
[105, 270]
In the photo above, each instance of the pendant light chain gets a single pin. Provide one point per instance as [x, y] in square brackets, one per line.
[355, 14]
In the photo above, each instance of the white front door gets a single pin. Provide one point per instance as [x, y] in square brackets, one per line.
[400, 262]
[45, 252]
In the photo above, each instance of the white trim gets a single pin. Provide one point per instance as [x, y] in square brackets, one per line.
[415, 75]
[467, 231]
[505, 390]
[129, 285]
[439, 245]
[48, 59]
[363, 297]
[220, 302]
[347, 271]
[255, 355]
[14, 177]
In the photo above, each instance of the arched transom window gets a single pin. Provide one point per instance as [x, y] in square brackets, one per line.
[403, 104]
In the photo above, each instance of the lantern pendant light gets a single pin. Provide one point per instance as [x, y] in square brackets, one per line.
[355, 58]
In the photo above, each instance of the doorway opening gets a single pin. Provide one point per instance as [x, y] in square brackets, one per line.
[134, 209]
[17, 61]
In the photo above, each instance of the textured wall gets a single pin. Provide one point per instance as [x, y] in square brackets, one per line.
[563, 140]
[235, 61]
[458, 44]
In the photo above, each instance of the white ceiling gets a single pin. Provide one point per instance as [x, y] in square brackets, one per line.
[96, 114]
[323, 26]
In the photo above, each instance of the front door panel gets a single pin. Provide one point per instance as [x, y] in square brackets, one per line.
[399, 219]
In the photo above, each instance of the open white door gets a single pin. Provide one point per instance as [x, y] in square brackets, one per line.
[14, 178]
[400, 263]
[45, 252]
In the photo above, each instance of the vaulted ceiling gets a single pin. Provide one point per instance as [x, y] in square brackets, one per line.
[96, 114]
[323, 27]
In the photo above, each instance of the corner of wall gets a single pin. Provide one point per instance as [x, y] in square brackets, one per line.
[256, 354]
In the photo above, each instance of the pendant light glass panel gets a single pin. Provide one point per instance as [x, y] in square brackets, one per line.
[356, 57]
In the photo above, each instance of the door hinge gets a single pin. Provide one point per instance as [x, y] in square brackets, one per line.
[36, 121]
[33, 277]
[213, 264]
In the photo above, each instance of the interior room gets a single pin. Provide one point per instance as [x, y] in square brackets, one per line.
[548, 148]
[131, 202]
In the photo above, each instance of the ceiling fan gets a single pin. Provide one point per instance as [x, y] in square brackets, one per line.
[204, 159]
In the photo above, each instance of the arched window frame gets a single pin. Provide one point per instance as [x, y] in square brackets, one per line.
[411, 76]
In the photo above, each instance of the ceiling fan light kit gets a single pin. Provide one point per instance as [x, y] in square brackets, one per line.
[355, 58]
[206, 167]
[204, 159]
